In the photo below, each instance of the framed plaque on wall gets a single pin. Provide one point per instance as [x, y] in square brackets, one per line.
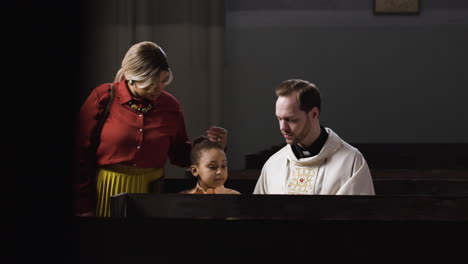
[396, 6]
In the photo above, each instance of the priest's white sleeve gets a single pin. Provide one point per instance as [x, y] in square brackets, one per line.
[360, 183]
[261, 186]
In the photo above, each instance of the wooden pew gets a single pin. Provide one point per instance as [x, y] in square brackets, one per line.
[386, 182]
[397, 169]
[292, 207]
[393, 155]
[177, 228]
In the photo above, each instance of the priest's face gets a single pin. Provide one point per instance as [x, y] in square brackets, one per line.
[295, 124]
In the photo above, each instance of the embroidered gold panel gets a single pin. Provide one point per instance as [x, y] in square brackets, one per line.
[302, 180]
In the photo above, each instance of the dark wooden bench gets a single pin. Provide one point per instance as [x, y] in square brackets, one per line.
[177, 228]
[397, 169]
[181, 240]
[393, 155]
[386, 182]
[292, 207]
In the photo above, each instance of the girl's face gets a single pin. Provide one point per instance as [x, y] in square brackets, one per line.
[211, 169]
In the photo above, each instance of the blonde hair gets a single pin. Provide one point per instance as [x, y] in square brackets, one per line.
[142, 63]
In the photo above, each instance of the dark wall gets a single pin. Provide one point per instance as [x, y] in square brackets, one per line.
[44, 50]
[384, 78]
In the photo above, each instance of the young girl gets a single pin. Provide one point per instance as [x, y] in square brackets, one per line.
[209, 166]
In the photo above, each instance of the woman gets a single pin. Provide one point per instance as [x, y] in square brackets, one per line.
[144, 127]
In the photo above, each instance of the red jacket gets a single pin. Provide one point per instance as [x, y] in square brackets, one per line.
[128, 137]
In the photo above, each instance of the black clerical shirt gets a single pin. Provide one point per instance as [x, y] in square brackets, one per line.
[313, 149]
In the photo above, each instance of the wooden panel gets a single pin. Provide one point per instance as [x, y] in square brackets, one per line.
[292, 207]
[164, 240]
[397, 186]
[393, 156]
[416, 173]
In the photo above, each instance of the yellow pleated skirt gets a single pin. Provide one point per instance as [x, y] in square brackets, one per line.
[115, 179]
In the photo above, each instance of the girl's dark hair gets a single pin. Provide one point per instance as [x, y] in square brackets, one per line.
[201, 143]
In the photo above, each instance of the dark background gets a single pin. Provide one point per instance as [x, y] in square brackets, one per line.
[43, 45]
[44, 40]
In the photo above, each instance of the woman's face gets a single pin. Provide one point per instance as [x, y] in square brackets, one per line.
[152, 91]
[211, 168]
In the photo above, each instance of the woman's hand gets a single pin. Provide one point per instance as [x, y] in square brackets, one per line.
[218, 134]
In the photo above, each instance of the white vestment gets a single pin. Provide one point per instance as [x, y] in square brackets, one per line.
[339, 169]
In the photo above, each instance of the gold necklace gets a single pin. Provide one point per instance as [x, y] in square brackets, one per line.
[140, 109]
